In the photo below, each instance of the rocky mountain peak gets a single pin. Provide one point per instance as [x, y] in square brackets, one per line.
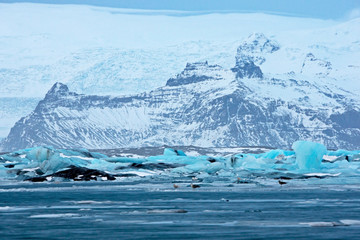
[58, 90]
[310, 57]
[258, 43]
[247, 69]
[196, 65]
[216, 110]
[314, 66]
[251, 53]
[200, 66]
[196, 72]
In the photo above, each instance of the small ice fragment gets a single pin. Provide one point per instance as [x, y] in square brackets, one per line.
[320, 224]
[61, 215]
[76, 156]
[167, 211]
[350, 222]
[322, 175]
[328, 158]
[6, 208]
[30, 169]
[86, 202]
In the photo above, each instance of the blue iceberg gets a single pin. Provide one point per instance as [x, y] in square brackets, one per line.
[308, 162]
[309, 154]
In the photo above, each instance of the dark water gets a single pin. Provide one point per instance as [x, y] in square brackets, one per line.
[131, 211]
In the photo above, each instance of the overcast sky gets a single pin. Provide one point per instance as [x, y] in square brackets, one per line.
[325, 9]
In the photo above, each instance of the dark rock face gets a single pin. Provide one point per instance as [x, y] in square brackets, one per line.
[348, 119]
[247, 69]
[251, 54]
[258, 43]
[57, 90]
[194, 73]
[221, 117]
[187, 80]
[313, 64]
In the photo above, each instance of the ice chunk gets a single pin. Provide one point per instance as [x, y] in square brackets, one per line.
[276, 154]
[320, 224]
[86, 153]
[192, 168]
[308, 154]
[124, 160]
[49, 164]
[6, 208]
[345, 155]
[327, 158]
[60, 215]
[214, 167]
[350, 222]
[173, 152]
[40, 154]
[56, 163]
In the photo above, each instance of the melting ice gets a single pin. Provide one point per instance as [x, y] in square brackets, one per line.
[308, 161]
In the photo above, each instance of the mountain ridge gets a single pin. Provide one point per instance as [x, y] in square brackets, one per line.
[102, 60]
[205, 105]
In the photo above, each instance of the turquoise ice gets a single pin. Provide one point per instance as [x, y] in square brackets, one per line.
[308, 154]
[308, 162]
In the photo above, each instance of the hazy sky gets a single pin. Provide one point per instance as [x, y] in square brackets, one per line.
[325, 9]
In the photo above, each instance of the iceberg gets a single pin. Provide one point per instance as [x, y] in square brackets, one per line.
[173, 152]
[309, 162]
[309, 154]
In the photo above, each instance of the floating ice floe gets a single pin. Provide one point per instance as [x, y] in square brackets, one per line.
[60, 215]
[308, 161]
[345, 222]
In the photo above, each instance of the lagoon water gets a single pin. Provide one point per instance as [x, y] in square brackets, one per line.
[48, 193]
[155, 210]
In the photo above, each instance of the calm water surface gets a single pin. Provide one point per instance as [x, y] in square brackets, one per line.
[157, 211]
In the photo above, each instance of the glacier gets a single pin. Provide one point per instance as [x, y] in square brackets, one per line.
[78, 80]
[307, 162]
[102, 60]
[205, 105]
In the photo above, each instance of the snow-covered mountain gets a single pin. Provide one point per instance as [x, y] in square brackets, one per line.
[204, 105]
[109, 51]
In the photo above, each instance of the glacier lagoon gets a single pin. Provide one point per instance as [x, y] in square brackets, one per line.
[309, 193]
[48, 193]
[143, 210]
